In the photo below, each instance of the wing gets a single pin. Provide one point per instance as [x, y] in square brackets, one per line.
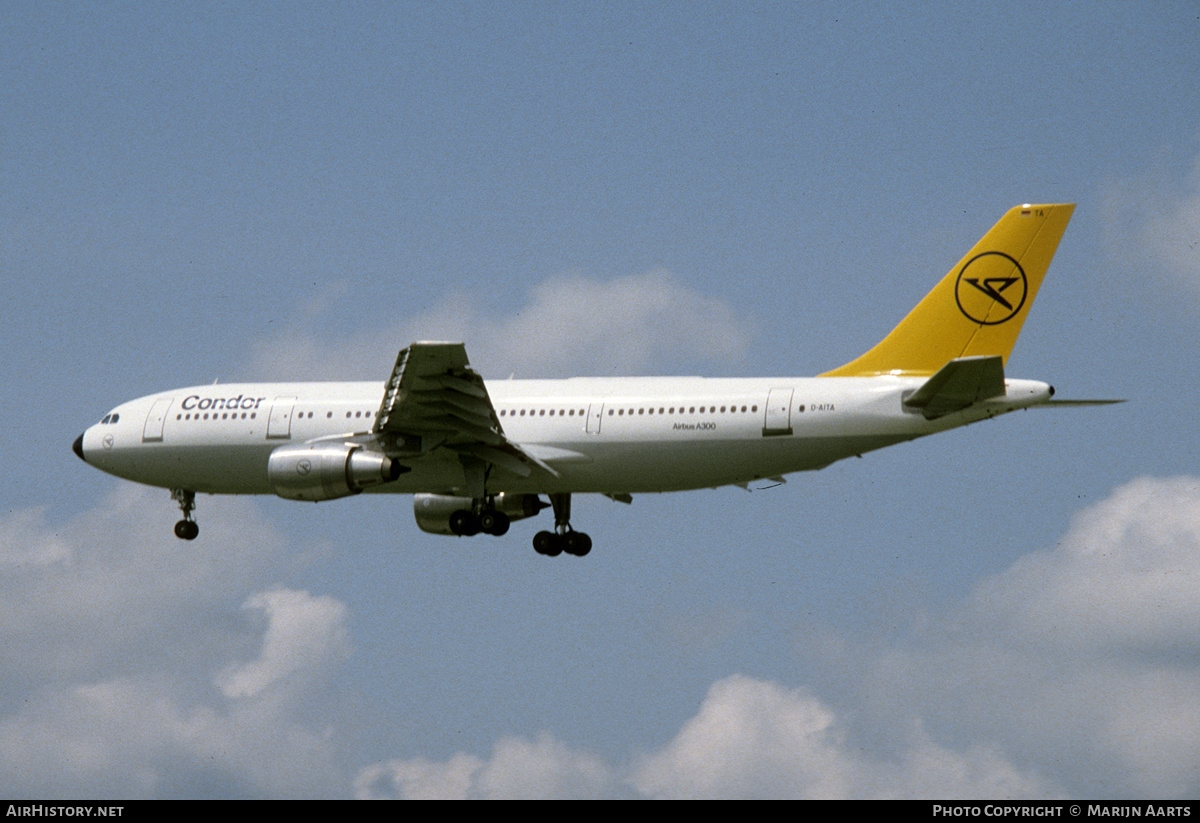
[436, 400]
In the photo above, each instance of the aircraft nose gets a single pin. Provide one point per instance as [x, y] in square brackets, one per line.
[77, 447]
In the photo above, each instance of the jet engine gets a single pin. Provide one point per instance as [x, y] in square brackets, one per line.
[327, 471]
[436, 512]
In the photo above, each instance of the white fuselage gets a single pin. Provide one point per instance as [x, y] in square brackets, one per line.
[606, 435]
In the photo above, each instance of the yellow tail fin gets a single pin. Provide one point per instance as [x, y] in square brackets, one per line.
[979, 307]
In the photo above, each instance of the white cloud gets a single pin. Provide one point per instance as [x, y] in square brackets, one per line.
[304, 635]
[749, 739]
[1124, 578]
[114, 632]
[752, 739]
[759, 739]
[1075, 672]
[117, 576]
[571, 325]
[1157, 216]
[1083, 658]
[140, 736]
[419, 779]
[1173, 231]
[543, 768]
[140, 666]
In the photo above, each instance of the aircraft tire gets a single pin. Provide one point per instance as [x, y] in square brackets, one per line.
[547, 543]
[464, 523]
[577, 543]
[494, 523]
[186, 530]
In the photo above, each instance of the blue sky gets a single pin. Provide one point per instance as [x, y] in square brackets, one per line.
[279, 191]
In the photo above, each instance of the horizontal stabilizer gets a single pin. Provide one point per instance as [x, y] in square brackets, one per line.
[960, 383]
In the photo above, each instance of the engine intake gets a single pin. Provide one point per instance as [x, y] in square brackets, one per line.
[327, 471]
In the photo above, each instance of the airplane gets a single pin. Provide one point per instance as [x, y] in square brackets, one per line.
[477, 455]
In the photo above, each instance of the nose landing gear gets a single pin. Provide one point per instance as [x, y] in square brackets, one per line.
[187, 528]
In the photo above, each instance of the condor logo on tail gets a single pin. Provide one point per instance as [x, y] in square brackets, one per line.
[977, 309]
[994, 292]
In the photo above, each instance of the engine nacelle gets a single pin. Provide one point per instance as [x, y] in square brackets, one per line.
[433, 510]
[327, 471]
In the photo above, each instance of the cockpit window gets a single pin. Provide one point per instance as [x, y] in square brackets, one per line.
[110, 418]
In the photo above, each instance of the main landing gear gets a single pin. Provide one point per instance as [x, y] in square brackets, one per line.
[482, 516]
[467, 523]
[486, 515]
[563, 538]
[492, 515]
[185, 529]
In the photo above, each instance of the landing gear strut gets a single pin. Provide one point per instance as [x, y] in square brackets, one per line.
[483, 516]
[185, 529]
[563, 538]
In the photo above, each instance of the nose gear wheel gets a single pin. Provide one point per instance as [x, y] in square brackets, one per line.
[187, 528]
